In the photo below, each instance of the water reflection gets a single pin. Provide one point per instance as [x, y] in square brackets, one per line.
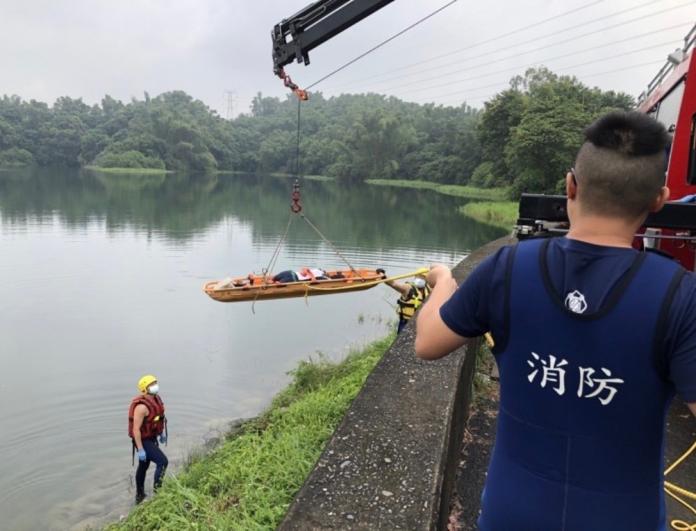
[180, 206]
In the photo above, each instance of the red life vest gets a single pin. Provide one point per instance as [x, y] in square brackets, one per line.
[155, 421]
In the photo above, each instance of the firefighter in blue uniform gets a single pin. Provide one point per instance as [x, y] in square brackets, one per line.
[592, 338]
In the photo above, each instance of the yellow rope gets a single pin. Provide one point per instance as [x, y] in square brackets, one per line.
[358, 284]
[676, 492]
[681, 459]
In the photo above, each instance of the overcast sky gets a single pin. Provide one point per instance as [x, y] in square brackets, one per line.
[89, 48]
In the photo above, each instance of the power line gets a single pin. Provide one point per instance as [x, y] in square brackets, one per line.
[498, 84]
[640, 65]
[346, 65]
[540, 48]
[482, 91]
[565, 68]
[557, 32]
[497, 37]
[506, 83]
[541, 61]
[586, 23]
[419, 81]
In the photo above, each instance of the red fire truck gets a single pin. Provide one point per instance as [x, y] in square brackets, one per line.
[671, 99]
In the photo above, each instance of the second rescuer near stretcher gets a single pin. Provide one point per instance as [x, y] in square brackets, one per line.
[592, 339]
[413, 294]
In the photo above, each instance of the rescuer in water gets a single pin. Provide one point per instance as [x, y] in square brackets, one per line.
[592, 339]
[413, 294]
[147, 423]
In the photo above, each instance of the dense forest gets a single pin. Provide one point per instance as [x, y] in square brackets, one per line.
[525, 137]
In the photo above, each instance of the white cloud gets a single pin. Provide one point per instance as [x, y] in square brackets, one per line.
[91, 48]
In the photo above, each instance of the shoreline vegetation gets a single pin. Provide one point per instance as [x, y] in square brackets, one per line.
[323, 178]
[496, 210]
[455, 190]
[501, 214]
[129, 171]
[250, 479]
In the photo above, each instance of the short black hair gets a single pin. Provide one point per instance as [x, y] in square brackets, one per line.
[621, 166]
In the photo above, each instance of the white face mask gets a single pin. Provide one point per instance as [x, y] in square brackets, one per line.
[153, 389]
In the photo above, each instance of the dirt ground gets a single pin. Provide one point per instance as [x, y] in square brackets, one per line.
[480, 434]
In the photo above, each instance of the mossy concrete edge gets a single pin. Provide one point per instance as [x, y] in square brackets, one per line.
[391, 463]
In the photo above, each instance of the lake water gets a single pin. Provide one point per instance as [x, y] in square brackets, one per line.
[100, 282]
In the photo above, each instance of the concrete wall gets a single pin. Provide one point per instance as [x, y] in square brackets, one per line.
[392, 461]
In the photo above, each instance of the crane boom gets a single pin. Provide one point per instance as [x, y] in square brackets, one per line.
[314, 25]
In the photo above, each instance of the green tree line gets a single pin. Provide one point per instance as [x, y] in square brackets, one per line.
[524, 137]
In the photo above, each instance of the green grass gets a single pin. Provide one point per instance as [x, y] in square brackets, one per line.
[248, 482]
[498, 213]
[493, 194]
[134, 171]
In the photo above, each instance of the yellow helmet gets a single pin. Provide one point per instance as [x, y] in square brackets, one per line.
[419, 282]
[145, 382]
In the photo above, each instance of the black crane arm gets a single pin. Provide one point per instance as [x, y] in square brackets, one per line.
[294, 37]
